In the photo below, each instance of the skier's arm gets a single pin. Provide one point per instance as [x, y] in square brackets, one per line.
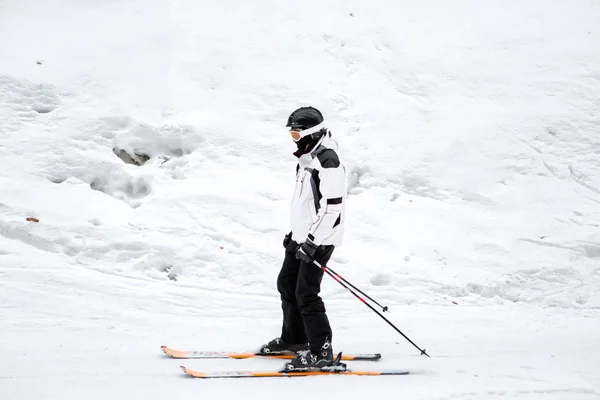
[332, 188]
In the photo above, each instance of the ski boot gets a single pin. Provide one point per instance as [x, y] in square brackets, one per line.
[321, 360]
[278, 346]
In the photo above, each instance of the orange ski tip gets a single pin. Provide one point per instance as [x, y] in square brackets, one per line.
[194, 374]
[187, 371]
[172, 353]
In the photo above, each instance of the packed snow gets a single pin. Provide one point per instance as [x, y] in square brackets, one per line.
[147, 177]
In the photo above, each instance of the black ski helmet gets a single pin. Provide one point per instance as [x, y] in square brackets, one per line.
[307, 127]
[305, 118]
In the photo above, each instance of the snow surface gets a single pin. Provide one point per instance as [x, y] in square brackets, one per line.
[471, 135]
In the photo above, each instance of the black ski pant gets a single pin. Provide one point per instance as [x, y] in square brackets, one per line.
[299, 284]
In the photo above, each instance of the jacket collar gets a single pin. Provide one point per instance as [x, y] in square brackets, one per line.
[308, 157]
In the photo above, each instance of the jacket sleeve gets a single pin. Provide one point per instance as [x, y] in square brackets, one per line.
[333, 190]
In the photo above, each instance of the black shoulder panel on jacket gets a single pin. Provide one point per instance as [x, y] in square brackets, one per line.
[328, 159]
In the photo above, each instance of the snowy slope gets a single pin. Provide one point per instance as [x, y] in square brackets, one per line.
[470, 136]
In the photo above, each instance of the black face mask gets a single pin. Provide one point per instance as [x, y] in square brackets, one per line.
[306, 144]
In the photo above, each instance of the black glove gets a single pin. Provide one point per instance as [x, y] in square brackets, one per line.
[306, 251]
[287, 239]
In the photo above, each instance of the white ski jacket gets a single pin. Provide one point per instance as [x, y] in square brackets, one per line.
[318, 204]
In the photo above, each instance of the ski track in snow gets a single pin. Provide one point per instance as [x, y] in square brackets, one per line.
[153, 154]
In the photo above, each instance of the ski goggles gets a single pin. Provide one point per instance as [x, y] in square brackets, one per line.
[296, 134]
[299, 133]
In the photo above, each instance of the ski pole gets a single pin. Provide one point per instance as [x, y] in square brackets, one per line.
[325, 267]
[335, 277]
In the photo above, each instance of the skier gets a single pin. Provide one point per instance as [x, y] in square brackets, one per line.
[317, 223]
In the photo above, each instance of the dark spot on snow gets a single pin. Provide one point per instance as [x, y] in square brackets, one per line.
[134, 158]
[42, 108]
[58, 179]
[171, 275]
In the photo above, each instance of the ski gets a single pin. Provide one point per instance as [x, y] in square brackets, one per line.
[241, 355]
[280, 374]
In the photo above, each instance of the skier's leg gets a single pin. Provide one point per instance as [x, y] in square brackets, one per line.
[310, 303]
[292, 331]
